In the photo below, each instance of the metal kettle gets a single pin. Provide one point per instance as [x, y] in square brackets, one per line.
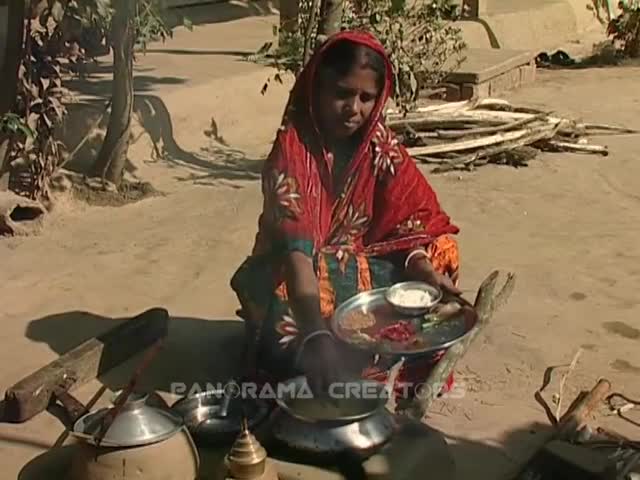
[144, 442]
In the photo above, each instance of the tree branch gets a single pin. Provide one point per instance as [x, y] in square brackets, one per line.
[485, 305]
[308, 34]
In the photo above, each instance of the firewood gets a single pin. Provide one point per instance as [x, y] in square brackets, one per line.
[578, 147]
[608, 128]
[547, 131]
[486, 304]
[464, 135]
[444, 107]
[577, 416]
[482, 156]
[453, 134]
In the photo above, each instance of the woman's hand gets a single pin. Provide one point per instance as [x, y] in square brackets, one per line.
[321, 363]
[441, 281]
[420, 269]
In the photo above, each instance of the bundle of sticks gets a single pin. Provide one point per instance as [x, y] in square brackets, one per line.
[464, 135]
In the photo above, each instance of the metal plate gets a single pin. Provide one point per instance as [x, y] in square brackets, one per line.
[435, 337]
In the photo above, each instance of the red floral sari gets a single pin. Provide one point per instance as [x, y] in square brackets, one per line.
[358, 235]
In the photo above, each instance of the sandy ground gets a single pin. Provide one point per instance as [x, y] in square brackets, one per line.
[567, 226]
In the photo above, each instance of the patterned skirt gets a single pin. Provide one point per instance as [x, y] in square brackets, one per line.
[274, 339]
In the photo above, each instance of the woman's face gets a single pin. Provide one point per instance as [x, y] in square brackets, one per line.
[345, 104]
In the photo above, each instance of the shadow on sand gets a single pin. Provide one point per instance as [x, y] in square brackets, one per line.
[177, 51]
[459, 460]
[197, 350]
[209, 13]
[215, 160]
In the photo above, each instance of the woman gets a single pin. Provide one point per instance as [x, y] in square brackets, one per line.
[345, 210]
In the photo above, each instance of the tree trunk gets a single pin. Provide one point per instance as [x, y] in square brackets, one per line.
[330, 17]
[289, 10]
[112, 158]
[4, 156]
[11, 40]
[308, 34]
[11, 43]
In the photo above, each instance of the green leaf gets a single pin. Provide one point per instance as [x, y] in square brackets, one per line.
[187, 23]
[397, 5]
[27, 131]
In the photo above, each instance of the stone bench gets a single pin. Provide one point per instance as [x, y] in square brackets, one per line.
[490, 72]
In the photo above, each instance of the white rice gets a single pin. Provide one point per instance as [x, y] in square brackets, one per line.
[412, 298]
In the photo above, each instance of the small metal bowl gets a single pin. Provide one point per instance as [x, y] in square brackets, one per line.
[435, 295]
[204, 418]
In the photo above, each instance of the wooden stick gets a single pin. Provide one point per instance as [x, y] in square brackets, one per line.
[500, 115]
[479, 104]
[577, 147]
[467, 144]
[31, 395]
[440, 122]
[444, 107]
[107, 421]
[608, 128]
[563, 380]
[574, 419]
[63, 436]
[485, 305]
[509, 142]
[476, 158]
[453, 134]
[497, 117]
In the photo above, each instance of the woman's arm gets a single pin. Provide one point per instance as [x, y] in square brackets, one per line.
[419, 268]
[318, 355]
[303, 292]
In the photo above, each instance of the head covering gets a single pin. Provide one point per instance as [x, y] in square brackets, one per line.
[384, 203]
[300, 106]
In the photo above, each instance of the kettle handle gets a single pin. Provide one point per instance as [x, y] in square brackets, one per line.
[194, 449]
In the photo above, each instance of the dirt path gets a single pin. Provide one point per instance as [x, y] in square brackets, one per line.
[568, 226]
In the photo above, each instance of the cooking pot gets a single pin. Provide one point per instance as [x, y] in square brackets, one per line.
[144, 441]
[353, 421]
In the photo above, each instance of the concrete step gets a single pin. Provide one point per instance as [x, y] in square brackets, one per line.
[491, 72]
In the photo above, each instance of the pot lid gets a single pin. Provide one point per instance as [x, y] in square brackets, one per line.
[138, 423]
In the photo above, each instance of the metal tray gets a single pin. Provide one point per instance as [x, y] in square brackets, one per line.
[438, 336]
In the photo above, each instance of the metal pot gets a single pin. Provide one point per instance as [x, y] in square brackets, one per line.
[144, 442]
[361, 429]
